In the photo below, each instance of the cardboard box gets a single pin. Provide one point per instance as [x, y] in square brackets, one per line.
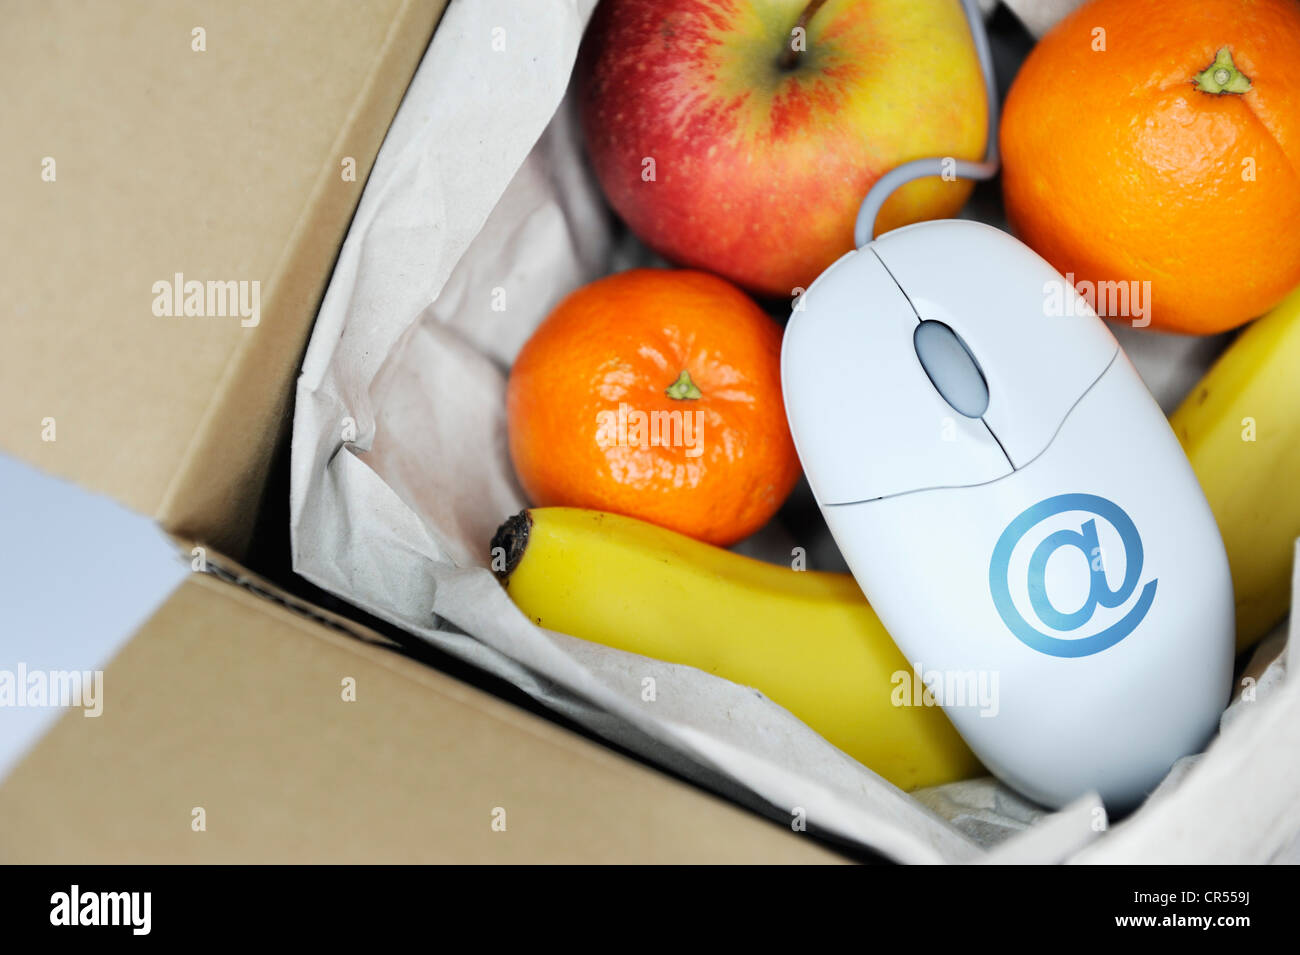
[158, 143]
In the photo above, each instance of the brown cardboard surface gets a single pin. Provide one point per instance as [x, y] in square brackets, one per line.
[221, 165]
[231, 703]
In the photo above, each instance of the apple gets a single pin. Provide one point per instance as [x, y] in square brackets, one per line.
[740, 136]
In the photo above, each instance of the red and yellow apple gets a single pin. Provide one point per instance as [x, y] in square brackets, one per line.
[740, 136]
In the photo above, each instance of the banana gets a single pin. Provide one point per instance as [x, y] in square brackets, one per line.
[807, 640]
[1240, 428]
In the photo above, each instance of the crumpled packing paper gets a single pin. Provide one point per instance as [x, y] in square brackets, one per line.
[479, 215]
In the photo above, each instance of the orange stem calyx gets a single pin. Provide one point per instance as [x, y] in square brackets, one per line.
[683, 388]
[1222, 76]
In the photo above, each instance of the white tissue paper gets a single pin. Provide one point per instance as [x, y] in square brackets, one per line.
[479, 216]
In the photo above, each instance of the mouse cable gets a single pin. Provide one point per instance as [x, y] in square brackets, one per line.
[864, 229]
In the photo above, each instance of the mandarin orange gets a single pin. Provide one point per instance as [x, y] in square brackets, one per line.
[656, 394]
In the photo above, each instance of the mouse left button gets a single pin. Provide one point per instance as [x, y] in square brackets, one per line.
[865, 416]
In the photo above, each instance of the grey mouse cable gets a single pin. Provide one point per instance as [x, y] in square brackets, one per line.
[886, 185]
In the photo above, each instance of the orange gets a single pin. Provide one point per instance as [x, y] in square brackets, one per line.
[1149, 141]
[655, 394]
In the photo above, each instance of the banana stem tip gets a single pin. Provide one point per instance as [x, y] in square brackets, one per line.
[509, 543]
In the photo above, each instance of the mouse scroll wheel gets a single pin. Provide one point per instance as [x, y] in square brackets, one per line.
[952, 368]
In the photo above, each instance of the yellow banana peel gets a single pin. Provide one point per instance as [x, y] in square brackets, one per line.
[1240, 428]
[807, 640]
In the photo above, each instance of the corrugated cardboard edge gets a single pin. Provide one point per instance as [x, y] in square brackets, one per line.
[200, 498]
[232, 572]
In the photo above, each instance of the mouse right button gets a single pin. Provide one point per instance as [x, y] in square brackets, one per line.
[1038, 344]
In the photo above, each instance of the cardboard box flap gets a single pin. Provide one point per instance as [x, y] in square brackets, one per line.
[231, 153]
[229, 704]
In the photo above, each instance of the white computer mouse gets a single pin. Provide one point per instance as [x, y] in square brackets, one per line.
[1014, 505]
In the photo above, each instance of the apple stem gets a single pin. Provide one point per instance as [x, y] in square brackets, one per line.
[790, 58]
